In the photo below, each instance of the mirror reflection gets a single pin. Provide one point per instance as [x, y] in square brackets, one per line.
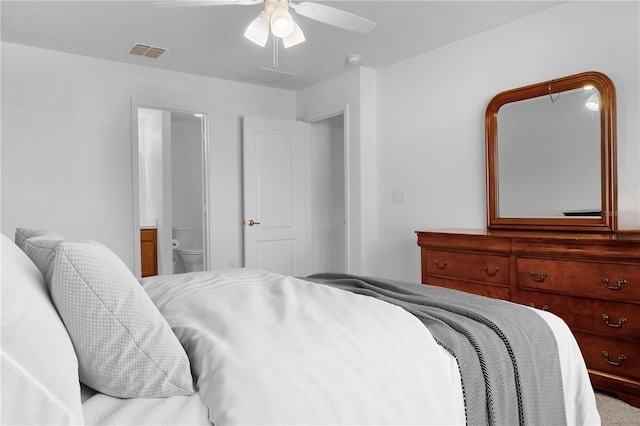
[549, 155]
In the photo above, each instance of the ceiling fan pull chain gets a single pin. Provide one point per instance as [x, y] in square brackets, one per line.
[275, 52]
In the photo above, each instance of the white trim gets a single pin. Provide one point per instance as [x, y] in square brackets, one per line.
[206, 210]
[135, 167]
[165, 232]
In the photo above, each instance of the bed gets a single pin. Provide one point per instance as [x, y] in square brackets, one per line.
[84, 342]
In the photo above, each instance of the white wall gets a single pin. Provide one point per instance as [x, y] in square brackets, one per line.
[431, 109]
[356, 92]
[186, 173]
[66, 143]
[417, 126]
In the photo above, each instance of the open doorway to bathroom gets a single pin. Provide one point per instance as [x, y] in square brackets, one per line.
[172, 190]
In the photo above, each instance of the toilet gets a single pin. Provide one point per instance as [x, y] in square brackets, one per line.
[191, 256]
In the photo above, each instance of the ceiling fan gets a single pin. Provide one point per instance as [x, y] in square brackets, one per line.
[275, 18]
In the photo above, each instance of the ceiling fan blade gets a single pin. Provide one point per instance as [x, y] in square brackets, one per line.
[196, 3]
[332, 16]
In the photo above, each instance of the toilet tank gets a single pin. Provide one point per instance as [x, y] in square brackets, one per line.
[186, 236]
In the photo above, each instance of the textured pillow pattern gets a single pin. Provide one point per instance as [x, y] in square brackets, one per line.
[125, 347]
[42, 250]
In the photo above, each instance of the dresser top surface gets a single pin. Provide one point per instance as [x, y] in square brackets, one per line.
[561, 235]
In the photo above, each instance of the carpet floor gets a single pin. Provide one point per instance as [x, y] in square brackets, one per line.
[614, 412]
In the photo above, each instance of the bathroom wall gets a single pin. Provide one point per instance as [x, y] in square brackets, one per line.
[186, 172]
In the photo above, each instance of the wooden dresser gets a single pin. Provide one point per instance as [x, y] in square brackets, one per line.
[591, 280]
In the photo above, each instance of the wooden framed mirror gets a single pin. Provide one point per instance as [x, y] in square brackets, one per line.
[551, 156]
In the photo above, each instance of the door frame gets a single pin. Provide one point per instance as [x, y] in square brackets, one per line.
[207, 199]
[320, 115]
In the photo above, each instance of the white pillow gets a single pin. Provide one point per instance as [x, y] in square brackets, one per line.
[41, 250]
[40, 382]
[22, 234]
[125, 347]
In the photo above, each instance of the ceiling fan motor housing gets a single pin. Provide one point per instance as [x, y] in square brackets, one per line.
[280, 20]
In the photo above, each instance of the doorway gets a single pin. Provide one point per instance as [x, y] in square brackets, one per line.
[172, 188]
[295, 194]
[327, 183]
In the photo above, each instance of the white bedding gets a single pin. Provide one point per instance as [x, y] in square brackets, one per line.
[269, 349]
[263, 348]
[101, 409]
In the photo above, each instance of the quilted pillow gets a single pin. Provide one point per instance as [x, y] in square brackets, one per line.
[125, 347]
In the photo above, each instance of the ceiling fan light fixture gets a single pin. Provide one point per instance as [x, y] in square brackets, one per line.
[275, 18]
[282, 24]
[258, 30]
[296, 37]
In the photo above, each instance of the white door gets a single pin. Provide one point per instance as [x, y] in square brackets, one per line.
[275, 195]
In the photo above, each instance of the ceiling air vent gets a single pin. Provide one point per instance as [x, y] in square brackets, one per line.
[146, 50]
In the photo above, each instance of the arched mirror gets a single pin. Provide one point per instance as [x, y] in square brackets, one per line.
[551, 159]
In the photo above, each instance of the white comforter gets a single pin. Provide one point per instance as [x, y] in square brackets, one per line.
[270, 349]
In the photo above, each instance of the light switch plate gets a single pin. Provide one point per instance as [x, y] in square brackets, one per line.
[399, 196]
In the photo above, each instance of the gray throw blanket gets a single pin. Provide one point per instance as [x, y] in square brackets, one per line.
[507, 354]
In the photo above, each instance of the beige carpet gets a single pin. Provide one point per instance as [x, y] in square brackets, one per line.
[614, 412]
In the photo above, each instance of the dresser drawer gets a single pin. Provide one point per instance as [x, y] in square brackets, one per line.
[494, 291]
[480, 267]
[601, 317]
[610, 355]
[588, 279]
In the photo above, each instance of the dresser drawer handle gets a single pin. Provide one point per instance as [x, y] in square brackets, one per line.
[621, 321]
[492, 273]
[621, 359]
[437, 263]
[532, 275]
[605, 281]
[544, 308]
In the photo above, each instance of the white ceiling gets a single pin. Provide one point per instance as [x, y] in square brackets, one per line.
[208, 40]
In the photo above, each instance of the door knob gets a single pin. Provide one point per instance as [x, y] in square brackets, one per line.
[252, 222]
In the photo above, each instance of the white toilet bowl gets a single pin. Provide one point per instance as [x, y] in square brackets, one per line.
[192, 259]
[185, 246]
